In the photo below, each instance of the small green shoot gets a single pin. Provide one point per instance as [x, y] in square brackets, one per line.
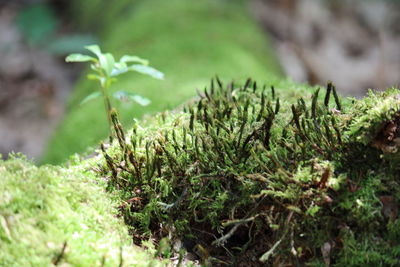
[106, 69]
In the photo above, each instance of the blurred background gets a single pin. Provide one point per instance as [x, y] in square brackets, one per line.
[355, 43]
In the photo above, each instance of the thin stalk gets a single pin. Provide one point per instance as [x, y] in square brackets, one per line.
[107, 103]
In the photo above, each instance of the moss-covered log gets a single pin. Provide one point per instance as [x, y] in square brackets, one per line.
[252, 174]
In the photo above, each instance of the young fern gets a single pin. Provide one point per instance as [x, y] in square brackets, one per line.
[106, 69]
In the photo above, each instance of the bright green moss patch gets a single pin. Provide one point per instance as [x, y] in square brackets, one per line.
[380, 112]
[263, 175]
[189, 41]
[41, 209]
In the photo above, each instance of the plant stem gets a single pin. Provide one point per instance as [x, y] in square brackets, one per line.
[107, 104]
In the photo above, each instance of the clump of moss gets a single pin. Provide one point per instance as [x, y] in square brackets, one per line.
[242, 176]
[52, 215]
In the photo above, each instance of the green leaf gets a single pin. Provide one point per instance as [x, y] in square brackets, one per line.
[141, 100]
[93, 77]
[119, 68]
[121, 95]
[312, 210]
[79, 58]
[107, 62]
[127, 96]
[116, 72]
[90, 97]
[148, 71]
[95, 68]
[103, 81]
[95, 49]
[128, 58]
[120, 65]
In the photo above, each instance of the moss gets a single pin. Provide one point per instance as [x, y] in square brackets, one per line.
[43, 209]
[189, 41]
[86, 14]
[270, 174]
[371, 116]
[243, 174]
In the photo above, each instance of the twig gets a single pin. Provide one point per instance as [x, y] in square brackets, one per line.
[61, 254]
[267, 254]
[240, 221]
[224, 238]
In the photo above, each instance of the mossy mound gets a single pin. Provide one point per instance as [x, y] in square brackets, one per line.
[58, 216]
[248, 175]
[190, 41]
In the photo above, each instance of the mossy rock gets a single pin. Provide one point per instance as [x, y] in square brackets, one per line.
[252, 175]
[189, 41]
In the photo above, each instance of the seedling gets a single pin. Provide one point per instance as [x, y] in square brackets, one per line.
[106, 69]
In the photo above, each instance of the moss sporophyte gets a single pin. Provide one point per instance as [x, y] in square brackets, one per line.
[105, 70]
[255, 176]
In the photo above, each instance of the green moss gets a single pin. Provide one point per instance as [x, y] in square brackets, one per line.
[188, 41]
[241, 174]
[372, 115]
[41, 208]
[273, 174]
